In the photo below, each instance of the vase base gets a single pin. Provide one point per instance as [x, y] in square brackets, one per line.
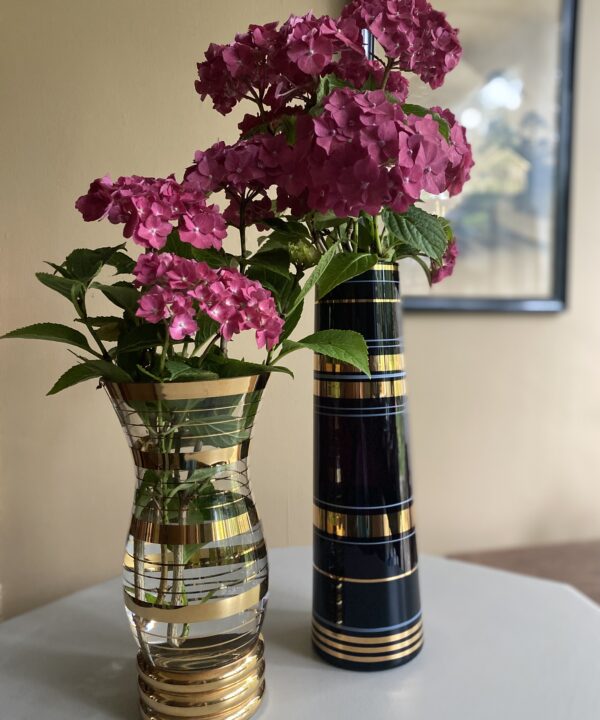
[358, 653]
[230, 692]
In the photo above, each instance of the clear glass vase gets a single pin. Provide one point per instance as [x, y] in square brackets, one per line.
[195, 569]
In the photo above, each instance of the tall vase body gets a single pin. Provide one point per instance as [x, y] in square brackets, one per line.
[366, 605]
[195, 570]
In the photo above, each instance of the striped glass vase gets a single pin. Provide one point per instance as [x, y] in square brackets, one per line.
[366, 605]
[195, 570]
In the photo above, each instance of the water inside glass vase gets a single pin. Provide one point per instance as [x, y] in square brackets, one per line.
[195, 569]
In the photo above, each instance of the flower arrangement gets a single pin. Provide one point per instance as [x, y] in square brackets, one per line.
[329, 167]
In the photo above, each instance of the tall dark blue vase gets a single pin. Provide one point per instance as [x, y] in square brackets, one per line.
[366, 605]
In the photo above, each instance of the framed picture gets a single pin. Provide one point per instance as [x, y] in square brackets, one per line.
[514, 92]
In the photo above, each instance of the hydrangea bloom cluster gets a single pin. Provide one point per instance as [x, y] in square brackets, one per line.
[176, 289]
[149, 208]
[412, 32]
[361, 153]
[275, 65]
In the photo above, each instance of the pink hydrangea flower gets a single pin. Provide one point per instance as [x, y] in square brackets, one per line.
[150, 208]
[412, 32]
[177, 289]
[446, 269]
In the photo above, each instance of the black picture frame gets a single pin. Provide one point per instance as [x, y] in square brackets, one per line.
[557, 299]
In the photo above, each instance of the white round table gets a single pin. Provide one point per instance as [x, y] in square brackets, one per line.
[498, 647]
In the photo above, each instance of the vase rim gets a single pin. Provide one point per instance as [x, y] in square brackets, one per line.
[219, 387]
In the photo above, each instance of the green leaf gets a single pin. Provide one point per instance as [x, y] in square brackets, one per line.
[327, 85]
[328, 220]
[207, 329]
[141, 338]
[344, 345]
[88, 370]
[291, 322]
[288, 227]
[67, 287]
[240, 368]
[230, 368]
[121, 294]
[122, 263]
[214, 258]
[277, 261]
[315, 276]
[344, 267]
[276, 282]
[53, 332]
[84, 264]
[419, 230]
[447, 228]
[421, 111]
[180, 370]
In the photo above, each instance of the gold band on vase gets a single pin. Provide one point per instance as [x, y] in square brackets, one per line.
[210, 610]
[379, 525]
[149, 460]
[360, 654]
[197, 534]
[377, 363]
[366, 390]
[199, 390]
[365, 581]
[229, 692]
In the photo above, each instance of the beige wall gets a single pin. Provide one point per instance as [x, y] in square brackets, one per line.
[505, 410]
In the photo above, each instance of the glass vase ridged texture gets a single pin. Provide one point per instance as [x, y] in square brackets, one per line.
[366, 604]
[195, 569]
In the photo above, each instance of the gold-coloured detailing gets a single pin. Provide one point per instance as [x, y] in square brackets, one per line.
[229, 692]
[369, 650]
[340, 524]
[369, 659]
[180, 461]
[384, 639]
[222, 675]
[377, 363]
[211, 610]
[198, 534]
[203, 557]
[358, 301]
[349, 390]
[387, 267]
[204, 389]
[365, 581]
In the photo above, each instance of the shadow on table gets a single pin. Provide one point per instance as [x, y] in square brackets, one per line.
[290, 629]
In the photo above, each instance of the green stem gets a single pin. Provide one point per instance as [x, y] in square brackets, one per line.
[82, 312]
[378, 244]
[388, 69]
[165, 351]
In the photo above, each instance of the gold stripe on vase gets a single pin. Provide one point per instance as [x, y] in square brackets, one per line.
[361, 649]
[359, 301]
[210, 610]
[348, 390]
[379, 640]
[230, 692]
[360, 659]
[377, 364]
[365, 581]
[197, 534]
[149, 460]
[380, 525]
[199, 390]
